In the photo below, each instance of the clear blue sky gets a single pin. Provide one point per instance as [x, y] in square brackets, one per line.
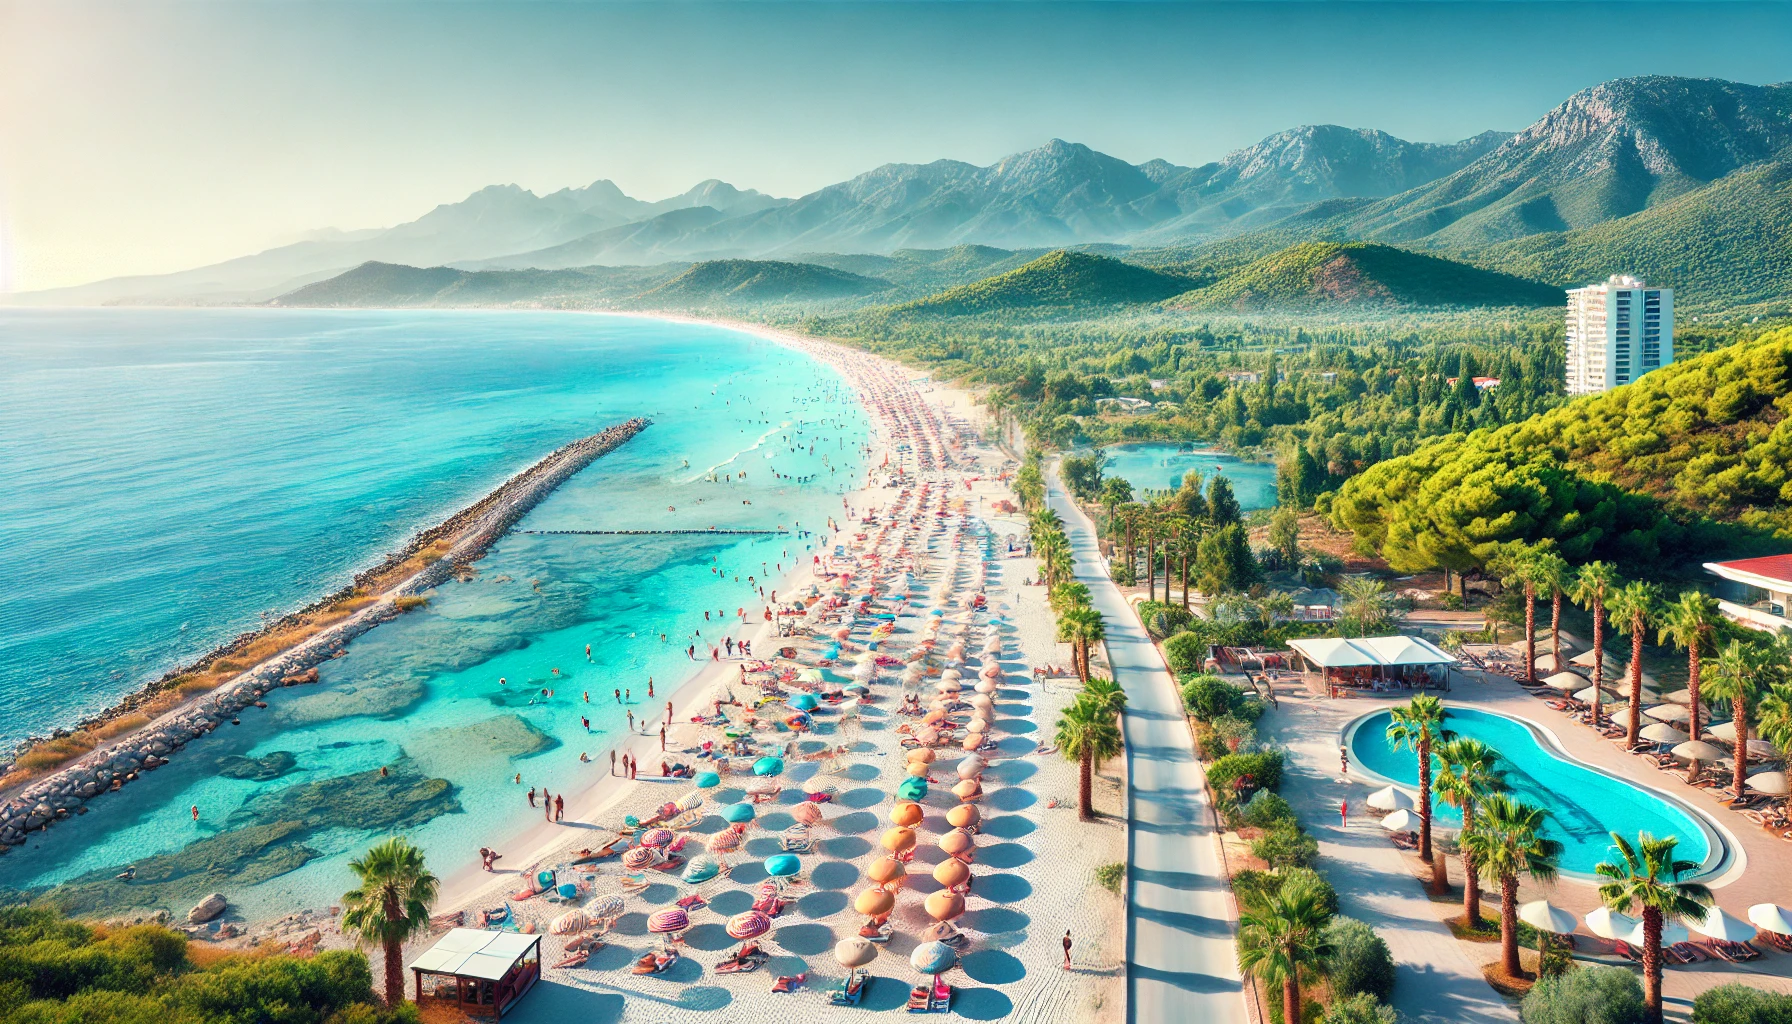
[153, 136]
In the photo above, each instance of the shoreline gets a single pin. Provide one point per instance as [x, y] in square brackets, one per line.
[35, 803]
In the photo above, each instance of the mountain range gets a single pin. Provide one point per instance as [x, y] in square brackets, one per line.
[1604, 182]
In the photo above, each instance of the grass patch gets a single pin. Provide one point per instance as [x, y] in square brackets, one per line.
[1110, 876]
[1490, 931]
[411, 601]
[186, 686]
[1505, 984]
[120, 725]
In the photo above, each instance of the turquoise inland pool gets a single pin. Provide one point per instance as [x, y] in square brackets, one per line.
[1585, 806]
[1161, 467]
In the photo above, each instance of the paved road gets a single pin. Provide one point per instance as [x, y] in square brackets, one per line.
[1180, 959]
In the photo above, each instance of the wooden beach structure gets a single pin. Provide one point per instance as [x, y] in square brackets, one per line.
[483, 973]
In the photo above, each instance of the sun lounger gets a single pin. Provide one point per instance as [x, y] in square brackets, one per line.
[655, 962]
[850, 989]
[787, 983]
[1628, 952]
[795, 838]
[1686, 952]
[1734, 952]
[749, 957]
[1780, 942]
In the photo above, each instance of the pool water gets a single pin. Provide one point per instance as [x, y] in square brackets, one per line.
[1584, 806]
[1161, 467]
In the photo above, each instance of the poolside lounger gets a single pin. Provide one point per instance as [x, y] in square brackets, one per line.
[1687, 953]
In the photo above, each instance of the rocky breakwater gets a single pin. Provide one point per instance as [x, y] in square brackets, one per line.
[471, 532]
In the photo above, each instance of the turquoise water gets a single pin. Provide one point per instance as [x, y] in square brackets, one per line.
[168, 476]
[1584, 806]
[1162, 467]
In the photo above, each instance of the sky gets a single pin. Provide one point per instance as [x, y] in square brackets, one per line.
[150, 137]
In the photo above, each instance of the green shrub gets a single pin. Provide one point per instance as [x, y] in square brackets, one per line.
[1361, 1009]
[1284, 845]
[1360, 963]
[1164, 620]
[1251, 886]
[1239, 775]
[1186, 652]
[1110, 876]
[1235, 734]
[1587, 995]
[1265, 809]
[1208, 697]
[1737, 1003]
[1208, 742]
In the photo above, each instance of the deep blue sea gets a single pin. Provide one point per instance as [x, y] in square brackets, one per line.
[167, 477]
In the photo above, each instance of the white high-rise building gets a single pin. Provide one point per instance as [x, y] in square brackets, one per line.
[1618, 330]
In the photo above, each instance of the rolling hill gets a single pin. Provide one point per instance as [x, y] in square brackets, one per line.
[1057, 280]
[385, 285]
[761, 281]
[1315, 274]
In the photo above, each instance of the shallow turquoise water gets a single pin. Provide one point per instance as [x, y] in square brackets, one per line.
[1584, 806]
[1162, 467]
[170, 475]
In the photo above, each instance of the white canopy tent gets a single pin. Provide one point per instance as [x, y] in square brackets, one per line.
[1374, 661]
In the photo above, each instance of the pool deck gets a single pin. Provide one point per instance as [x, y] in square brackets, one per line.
[1440, 977]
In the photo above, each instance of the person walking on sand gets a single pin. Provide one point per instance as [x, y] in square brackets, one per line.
[1343, 814]
[633, 766]
[662, 738]
[1344, 761]
[547, 806]
[631, 721]
[1067, 949]
[559, 808]
[668, 711]
[612, 763]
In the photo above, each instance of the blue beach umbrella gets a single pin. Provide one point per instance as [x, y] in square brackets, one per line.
[804, 702]
[708, 780]
[782, 865]
[912, 789]
[702, 869]
[933, 958]
[768, 766]
[737, 814]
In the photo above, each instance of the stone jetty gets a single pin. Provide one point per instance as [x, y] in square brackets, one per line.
[471, 531]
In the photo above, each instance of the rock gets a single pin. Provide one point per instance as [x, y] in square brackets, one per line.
[257, 769]
[208, 908]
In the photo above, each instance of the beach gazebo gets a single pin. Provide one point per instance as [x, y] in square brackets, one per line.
[483, 973]
[1372, 662]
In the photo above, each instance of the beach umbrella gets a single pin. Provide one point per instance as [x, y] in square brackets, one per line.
[1586, 696]
[972, 741]
[766, 767]
[963, 816]
[977, 724]
[1726, 733]
[899, 840]
[1401, 820]
[804, 702]
[1762, 748]
[917, 770]
[748, 924]
[992, 672]
[1547, 663]
[708, 780]
[809, 675]
[1678, 697]
[808, 812]
[968, 789]
[1671, 933]
[605, 907]
[1699, 750]
[1567, 682]
[672, 919]
[1662, 732]
[763, 787]
[971, 767]
[1545, 917]
[1584, 659]
[1390, 799]
[701, 869]
[911, 789]
[568, 923]
[1609, 924]
[922, 755]
[637, 858]
[934, 717]
[933, 958]
[907, 814]
[690, 801]
[1771, 918]
[928, 735]
[886, 871]
[874, 902]
[855, 952]
[819, 786]
[945, 905]
[986, 687]
[738, 814]
[951, 673]
[952, 873]
[1717, 924]
[1668, 713]
[1768, 783]
[782, 865]
[957, 843]
[657, 838]
[725, 841]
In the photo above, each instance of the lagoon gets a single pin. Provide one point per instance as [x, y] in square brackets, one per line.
[1162, 466]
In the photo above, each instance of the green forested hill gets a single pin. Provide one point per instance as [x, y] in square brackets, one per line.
[1692, 458]
[1729, 242]
[762, 280]
[1363, 274]
[391, 284]
[1062, 279]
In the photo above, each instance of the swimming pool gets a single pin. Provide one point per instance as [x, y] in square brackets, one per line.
[1585, 805]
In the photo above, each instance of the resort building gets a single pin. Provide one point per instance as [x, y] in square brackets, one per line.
[1618, 330]
[1760, 590]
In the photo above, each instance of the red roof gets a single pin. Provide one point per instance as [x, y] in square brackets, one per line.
[1773, 567]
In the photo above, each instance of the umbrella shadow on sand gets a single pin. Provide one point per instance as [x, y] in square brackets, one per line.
[855, 823]
[861, 772]
[805, 939]
[993, 967]
[861, 798]
[981, 1004]
[1008, 826]
[835, 874]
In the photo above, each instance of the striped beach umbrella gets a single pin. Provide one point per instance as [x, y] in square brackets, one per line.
[748, 924]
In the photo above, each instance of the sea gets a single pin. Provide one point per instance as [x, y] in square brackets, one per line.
[170, 478]
[1161, 467]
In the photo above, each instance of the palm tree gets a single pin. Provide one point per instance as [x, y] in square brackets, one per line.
[1052, 548]
[1365, 603]
[1115, 491]
[1554, 572]
[1129, 514]
[1691, 623]
[1275, 604]
[1069, 595]
[1737, 677]
[1088, 736]
[1773, 717]
[1591, 587]
[1649, 877]
[1107, 695]
[1469, 775]
[1283, 940]
[391, 906]
[1632, 608]
[1419, 727]
[1517, 565]
[1508, 839]
[1081, 627]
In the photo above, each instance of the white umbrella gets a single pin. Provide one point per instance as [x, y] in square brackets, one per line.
[1678, 697]
[1544, 916]
[1583, 659]
[1698, 750]
[1726, 733]
[1566, 681]
[1762, 748]
[1770, 918]
[1768, 783]
[1670, 934]
[1662, 732]
[1586, 696]
[1390, 799]
[1720, 925]
[1668, 713]
[1401, 820]
[1609, 924]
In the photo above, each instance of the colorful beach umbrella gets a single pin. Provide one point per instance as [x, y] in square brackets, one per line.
[912, 789]
[738, 814]
[748, 924]
[952, 873]
[708, 780]
[874, 902]
[657, 838]
[606, 906]
[690, 801]
[963, 816]
[782, 865]
[945, 905]
[957, 843]
[886, 871]
[808, 812]
[933, 958]
[804, 702]
[968, 789]
[768, 766]
[701, 869]
[906, 813]
[854, 952]
[899, 840]
[637, 858]
[725, 841]
[672, 919]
